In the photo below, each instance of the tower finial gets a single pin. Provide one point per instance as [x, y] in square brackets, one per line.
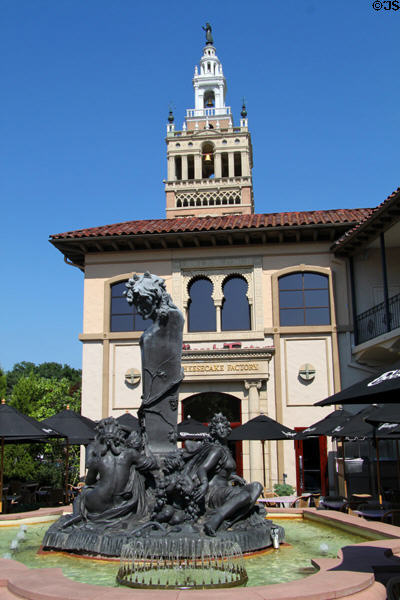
[244, 111]
[209, 37]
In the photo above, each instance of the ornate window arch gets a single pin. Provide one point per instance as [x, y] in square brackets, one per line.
[303, 297]
[235, 310]
[201, 308]
[121, 315]
[217, 279]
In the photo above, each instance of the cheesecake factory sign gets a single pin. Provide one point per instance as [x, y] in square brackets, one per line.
[216, 368]
[235, 364]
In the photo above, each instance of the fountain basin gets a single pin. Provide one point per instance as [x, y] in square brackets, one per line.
[50, 584]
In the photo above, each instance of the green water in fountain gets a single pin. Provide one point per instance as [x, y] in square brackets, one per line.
[307, 540]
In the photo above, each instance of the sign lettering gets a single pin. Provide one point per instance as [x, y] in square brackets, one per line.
[215, 368]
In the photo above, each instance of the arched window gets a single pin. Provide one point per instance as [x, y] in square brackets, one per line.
[235, 314]
[209, 99]
[202, 316]
[207, 160]
[304, 299]
[123, 316]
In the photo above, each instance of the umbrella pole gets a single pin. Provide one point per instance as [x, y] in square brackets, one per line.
[1, 474]
[66, 472]
[398, 459]
[263, 455]
[378, 470]
[344, 469]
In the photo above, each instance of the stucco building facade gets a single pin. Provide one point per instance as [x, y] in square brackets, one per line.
[267, 298]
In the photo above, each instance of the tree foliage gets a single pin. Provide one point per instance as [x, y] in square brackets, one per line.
[3, 384]
[48, 370]
[41, 397]
[41, 391]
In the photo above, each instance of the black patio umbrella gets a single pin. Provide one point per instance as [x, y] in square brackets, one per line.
[129, 421]
[17, 428]
[191, 428]
[262, 428]
[325, 425]
[76, 428]
[388, 413]
[382, 388]
[358, 427]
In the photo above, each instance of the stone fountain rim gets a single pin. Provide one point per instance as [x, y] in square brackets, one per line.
[50, 584]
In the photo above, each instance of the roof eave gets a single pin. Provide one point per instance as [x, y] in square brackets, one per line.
[378, 222]
[75, 249]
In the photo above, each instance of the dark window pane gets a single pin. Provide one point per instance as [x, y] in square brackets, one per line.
[313, 280]
[118, 289]
[317, 316]
[124, 316]
[235, 309]
[292, 316]
[291, 299]
[291, 282]
[119, 306]
[202, 315]
[316, 298]
[121, 323]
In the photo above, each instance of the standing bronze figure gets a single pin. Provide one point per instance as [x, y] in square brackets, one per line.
[209, 37]
[161, 349]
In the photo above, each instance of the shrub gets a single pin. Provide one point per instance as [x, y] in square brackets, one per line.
[284, 489]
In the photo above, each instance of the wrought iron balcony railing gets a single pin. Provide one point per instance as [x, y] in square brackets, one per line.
[375, 321]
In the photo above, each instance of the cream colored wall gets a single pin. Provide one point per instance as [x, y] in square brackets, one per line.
[92, 375]
[368, 276]
[282, 397]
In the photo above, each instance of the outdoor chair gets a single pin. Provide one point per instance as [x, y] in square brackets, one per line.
[268, 494]
[333, 503]
[56, 496]
[43, 494]
[372, 510]
[28, 493]
[306, 501]
[356, 500]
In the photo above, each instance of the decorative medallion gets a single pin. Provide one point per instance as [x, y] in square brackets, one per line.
[307, 372]
[132, 377]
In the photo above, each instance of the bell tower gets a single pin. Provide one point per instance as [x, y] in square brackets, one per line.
[209, 159]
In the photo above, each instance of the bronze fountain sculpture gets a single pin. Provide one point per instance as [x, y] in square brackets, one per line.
[140, 484]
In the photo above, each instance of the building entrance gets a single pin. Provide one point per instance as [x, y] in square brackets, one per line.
[311, 464]
[203, 407]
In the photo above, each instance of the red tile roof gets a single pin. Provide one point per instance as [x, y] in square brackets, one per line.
[228, 222]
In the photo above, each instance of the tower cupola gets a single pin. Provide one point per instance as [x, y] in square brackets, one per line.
[209, 160]
[210, 88]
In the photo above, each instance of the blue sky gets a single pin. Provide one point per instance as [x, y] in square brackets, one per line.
[86, 87]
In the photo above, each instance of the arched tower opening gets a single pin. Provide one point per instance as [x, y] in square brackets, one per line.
[207, 160]
[209, 99]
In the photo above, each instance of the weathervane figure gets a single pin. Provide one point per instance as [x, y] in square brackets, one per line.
[208, 30]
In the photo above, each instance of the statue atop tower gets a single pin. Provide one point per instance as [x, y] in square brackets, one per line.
[208, 30]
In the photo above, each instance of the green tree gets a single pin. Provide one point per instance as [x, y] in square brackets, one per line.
[42, 397]
[3, 384]
[48, 370]
[21, 369]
